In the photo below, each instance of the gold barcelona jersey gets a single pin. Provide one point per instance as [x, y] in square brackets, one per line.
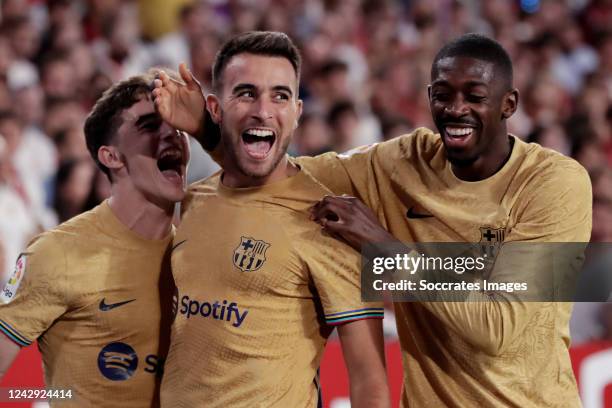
[473, 354]
[89, 292]
[259, 289]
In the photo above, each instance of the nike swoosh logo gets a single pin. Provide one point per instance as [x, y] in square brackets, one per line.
[106, 307]
[178, 244]
[411, 214]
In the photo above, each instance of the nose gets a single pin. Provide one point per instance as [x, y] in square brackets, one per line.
[456, 107]
[262, 109]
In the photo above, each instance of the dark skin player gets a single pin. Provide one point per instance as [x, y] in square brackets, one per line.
[470, 101]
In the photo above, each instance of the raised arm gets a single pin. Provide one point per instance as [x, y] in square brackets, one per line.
[182, 105]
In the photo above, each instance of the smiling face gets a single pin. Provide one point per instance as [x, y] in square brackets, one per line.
[257, 110]
[152, 156]
[470, 102]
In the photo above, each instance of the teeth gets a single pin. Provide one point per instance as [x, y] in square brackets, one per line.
[259, 132]
[458, 131]
[171, 153]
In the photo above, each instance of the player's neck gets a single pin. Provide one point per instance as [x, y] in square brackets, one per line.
[148, 219]
[236, 179]
[487, 164]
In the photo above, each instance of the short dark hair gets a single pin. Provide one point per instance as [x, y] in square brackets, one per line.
[332, 66]
[105, 117]
[479, 47]
[54, 57]
[338, 110]
[268, 43]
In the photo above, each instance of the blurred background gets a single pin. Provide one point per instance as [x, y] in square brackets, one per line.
[366, 67]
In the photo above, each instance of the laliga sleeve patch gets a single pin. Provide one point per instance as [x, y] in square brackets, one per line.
[10, 288]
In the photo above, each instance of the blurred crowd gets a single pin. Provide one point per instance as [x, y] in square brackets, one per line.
[364, 76]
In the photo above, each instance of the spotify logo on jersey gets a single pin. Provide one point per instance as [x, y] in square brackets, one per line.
[117, 361]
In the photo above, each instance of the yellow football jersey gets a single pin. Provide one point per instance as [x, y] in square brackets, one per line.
[473, 354]
[89, 291]
[259, 288]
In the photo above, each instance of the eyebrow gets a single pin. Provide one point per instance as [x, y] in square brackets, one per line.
[283, 88]
[247, 87]
[242, 87]
[145, 119]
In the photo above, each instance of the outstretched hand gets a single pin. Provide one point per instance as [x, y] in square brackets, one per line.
[181, 105]
[350, 219]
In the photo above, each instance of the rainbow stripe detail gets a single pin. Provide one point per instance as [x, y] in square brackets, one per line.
[335, 319]
[14, 334]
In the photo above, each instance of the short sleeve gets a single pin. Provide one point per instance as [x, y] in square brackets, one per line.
[335, 270]
[31, 299]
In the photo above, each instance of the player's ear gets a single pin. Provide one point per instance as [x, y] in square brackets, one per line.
[510, 103]
[214, 108]
[110, 157]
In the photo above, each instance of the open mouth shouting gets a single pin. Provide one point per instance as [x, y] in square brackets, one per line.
[170, 163]
[258, 142]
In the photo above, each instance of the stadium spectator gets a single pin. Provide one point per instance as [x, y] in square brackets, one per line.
[120, 52]
[12, 9]
[344, 122]
[58, 76]
[73, 184]
[176, 47]
[70, 144]
[17, 223]
[312, 137]
[28, 180]
[62, 114]
[29, 106]
[394, 126]
[24, 37]
[202, 54]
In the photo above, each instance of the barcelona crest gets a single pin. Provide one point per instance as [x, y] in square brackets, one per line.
[250, 255]
[491, 240]
[492, 235]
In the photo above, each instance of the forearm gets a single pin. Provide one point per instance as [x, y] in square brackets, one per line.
[369, 391]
